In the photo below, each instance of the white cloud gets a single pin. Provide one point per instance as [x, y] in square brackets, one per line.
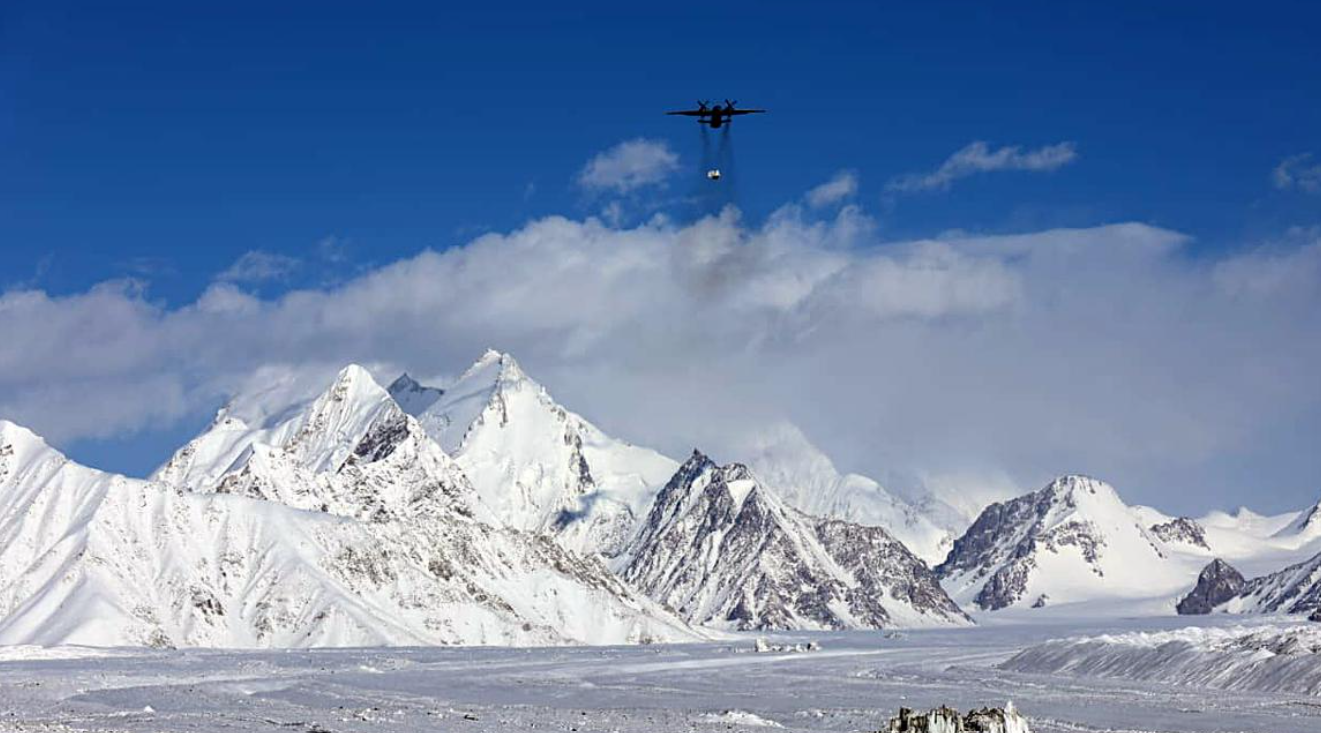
[1284, 269]
[1105, 350]
[628, 166]
[1298, 171]
[842, 186]
[259, 266]
[978, 157]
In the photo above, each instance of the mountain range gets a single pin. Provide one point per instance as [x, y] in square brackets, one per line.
[483, 512]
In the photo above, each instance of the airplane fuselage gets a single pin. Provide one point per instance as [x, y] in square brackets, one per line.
[715, 119]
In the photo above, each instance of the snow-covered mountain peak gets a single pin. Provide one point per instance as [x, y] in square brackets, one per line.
[1306, 526]
[317, 434]
[1083, 493]
[719, 549]
[494, 368]
[95, 558]
[1073, 540]
[538, 466]
[15, 437]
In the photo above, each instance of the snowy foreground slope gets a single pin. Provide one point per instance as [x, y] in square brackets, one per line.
[289, 539]
[720, 549]
[856, 682]
[1284, 659]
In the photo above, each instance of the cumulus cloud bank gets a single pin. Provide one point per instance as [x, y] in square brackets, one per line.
[978, 157]
[628, 166]
[1105, 350]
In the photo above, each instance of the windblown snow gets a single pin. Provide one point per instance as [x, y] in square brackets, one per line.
[1274, 658]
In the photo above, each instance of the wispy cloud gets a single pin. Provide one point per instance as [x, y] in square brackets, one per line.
[978, 157]
[628, 166]
[259, 266]
[842, 186]
[1298, 171]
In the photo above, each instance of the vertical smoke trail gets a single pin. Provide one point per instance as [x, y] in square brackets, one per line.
[725, 161]
[707, 160]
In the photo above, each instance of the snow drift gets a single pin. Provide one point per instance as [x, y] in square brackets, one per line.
[1275, 658]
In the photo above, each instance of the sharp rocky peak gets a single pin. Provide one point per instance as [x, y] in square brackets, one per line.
[412, 396]
[1073, 486]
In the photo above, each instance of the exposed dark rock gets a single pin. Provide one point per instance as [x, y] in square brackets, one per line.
[1076, 517]
[1295, 589]
[718, 548]
[1181, 529]
[1218, 582]
[947, 720]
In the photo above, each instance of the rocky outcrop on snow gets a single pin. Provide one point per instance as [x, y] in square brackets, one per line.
[948, 720]
[1181, 529]
[1072, 541]
[720, 549]
[1295, 589]
[538, 466]
[1217, 583]
[332, 522]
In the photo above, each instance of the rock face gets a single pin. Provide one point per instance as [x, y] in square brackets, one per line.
[1073, 540]
[719, 549]
[335, 521]
[411, 396]
[538, 466]
[1217, 583]
[948, 720]
[1181, 529]
[1295, 589]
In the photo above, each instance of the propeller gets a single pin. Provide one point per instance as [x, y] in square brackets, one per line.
[729, 104]
[702, 104]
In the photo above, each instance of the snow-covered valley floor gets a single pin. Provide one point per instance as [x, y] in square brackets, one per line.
[854, 683]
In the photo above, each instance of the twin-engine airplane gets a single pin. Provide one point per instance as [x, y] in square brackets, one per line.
[717, 115]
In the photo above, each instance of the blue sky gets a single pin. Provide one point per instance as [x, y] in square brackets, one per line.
[167, 137]
[164, 142]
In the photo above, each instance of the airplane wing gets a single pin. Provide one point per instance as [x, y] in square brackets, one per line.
[746, 112]
[690, 113]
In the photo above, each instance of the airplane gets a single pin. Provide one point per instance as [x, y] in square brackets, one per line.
[717, 115]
